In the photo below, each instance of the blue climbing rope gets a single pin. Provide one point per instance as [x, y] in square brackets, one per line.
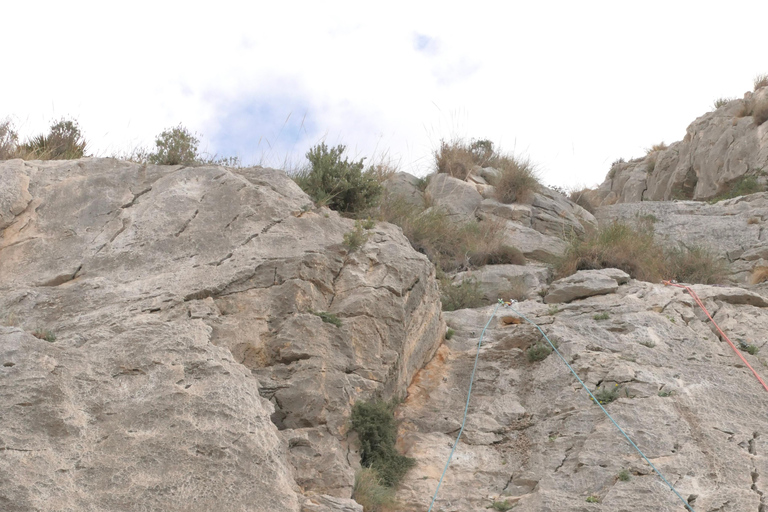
[466, 407]
[687, 505]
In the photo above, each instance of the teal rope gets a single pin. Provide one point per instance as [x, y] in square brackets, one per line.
[687, 505]
[466, 407]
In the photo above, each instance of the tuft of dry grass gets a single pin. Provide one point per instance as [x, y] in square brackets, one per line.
[9, 140]
[721, 102]
[661, 146]
[761, 81]
[753, 220]
[634, 250]
[760, 111]
[517, 181]
[448, 245]
[759, 275]
[457, 158]
[584, 198]
[64, 141]
[374, 496]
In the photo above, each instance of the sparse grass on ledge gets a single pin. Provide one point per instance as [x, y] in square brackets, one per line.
[742, 186]
[634, 250]
[369, 492]
[721, 102]
[64, 141]
[761, 81]
[759, 275]
[583, 197]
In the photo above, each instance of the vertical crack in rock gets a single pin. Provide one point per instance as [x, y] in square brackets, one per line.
[132, 202]
[186, 224]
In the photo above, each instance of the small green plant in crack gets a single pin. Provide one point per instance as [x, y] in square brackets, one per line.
[44, 334]
[593, 499]
[328, 318]
[503, 506]
[449, 333]
[601, 316]
[748, 347]
[355, 239]
[664, 393]
[624, 475]
[538, 352]
[605, 396]
[553, 310]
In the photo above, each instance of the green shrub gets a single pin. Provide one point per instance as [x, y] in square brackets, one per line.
[175, 146]
[338, 183]
[601, 316]
[375, 425]
[665, 393]
[369, 492]
[464, 295]
[449, 333]
[694, 264]
[327, 317]
[63, 142]
[748, 347]
[742, 186]
[593, 499]
[624, 475]
[538, 352]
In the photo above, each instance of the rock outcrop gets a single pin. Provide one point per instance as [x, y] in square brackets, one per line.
[207, 333]
[719, 149]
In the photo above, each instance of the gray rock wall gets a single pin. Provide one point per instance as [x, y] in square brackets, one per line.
[189, 371]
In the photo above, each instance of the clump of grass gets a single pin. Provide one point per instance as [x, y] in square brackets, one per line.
[606, 396]
[694, 264]
[44, 334]
[721, 102]
[759, 275]
[9, 140]
[761, 81]
[449, 333]
[369, 492]
[742, 186]
[624, 475]
[502, 506]
[175, 146]
[457, 158]
[661, 146]
[617, 245]
[338, 183]
[665, 393]
[553, 310]
[538, 352]
[375, 425]
[593, 499]
[583, 198]
[464, 295]
[753, 220]
[601, 316]
[517, 180]
[64, 141]
[327, 317]
[448, 245]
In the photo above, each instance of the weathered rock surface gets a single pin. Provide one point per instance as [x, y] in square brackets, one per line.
[405, 187]
[535, 439]
[506, 282]
[719, 148]
[456, 197]
[585, 283]
[732, 229]
[182, 300]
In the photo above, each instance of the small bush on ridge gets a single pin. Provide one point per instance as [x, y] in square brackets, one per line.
[64, 141]
[338, 183]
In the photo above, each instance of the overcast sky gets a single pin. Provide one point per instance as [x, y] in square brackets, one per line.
[570, 85]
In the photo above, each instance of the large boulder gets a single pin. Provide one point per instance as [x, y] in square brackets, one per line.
[208, 334]
[586, 283]
[459, 199]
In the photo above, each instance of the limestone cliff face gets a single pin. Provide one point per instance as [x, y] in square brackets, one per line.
[189, 370]
[536, 441]
[719, 148]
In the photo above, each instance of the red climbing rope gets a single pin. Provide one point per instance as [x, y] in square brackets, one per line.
[701, 305]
